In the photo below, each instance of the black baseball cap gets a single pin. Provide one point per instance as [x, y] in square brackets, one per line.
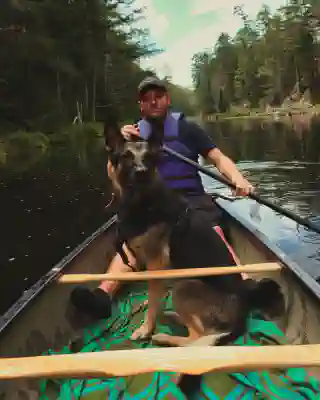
[151, 82]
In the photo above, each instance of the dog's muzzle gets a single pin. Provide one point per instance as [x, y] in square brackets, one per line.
[142, 177]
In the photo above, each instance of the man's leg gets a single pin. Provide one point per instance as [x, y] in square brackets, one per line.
[97, 302]
[117, 265]
[220, 232]
[207, 207]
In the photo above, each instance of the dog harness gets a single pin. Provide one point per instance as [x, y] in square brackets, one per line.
[126, 231]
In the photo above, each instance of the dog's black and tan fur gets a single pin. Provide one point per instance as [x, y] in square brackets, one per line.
[216, 317]
[144, 221]
[148, 218]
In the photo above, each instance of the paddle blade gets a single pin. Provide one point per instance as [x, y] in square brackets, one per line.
[255, 212]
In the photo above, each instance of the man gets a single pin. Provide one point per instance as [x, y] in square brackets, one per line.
[190, 140]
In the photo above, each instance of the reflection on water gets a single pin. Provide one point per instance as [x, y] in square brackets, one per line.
[53, 191]
[49, 204]
[282, 160]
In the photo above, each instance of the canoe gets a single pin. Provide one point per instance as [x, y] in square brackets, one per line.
[39, 319]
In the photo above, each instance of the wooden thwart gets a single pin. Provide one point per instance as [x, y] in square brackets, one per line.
[186, 360]
[171, 274]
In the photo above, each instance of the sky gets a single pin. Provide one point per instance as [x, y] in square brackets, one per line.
[185, 27]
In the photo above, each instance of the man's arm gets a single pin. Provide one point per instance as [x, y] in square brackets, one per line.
[228, 168]
[197, 138]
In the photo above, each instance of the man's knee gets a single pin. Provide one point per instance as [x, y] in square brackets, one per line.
[121, 265]
[206, 208]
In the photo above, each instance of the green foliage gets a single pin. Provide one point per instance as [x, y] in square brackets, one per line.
[71, 60]
[24, 149]
[62, 59]
[271, 59]
[21, 150]
[182, 99]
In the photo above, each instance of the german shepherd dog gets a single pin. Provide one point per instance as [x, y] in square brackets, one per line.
[214, 316]
[161, 231]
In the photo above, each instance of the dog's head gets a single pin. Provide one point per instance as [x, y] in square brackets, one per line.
[131, 163]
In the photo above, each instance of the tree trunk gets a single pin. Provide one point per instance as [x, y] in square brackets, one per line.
[297, 78]
[59, 97]
[94, 92]
[86, 100]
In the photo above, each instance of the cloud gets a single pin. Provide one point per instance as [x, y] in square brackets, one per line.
[178, 56]
[251, 7]
[204, 6]
[155, 20]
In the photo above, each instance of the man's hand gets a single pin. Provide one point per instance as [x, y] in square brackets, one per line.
[243, 187]
[228, 168]
[129, 130]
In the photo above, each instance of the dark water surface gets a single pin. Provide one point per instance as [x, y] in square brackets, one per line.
[282, 160]
[47, 209]
[50, 206]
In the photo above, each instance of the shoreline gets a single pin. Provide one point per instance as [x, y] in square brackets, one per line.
[275, 114]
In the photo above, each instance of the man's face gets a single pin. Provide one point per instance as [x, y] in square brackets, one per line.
[154, 103]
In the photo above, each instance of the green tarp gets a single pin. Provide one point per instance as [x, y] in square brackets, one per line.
[114, 333]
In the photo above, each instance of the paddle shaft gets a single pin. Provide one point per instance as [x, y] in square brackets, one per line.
[253, 196]
[170, 274]
[186, 360]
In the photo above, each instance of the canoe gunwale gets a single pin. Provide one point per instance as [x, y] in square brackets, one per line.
[51, 276]
[303, 277]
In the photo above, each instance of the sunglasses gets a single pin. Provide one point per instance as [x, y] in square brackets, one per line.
[151, 96]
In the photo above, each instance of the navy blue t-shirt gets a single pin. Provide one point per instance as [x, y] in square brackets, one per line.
[195, 138]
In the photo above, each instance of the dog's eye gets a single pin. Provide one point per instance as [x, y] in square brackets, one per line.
[127, 156]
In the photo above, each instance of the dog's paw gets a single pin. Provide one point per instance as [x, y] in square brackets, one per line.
[161, 338]
[171, 314]
[143, 332]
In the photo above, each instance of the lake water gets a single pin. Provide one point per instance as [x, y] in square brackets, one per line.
[282, 160]
[52, 204]
[49, 205]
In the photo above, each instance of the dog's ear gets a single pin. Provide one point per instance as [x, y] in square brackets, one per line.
[113, 138]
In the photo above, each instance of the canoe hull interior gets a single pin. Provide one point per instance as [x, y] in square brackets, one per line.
[43, 323]
[301, 321]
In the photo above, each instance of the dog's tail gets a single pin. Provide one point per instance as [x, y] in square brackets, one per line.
[265, 295]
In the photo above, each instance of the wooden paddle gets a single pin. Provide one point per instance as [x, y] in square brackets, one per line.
[170, 274]
[253, 196]
[185, 360]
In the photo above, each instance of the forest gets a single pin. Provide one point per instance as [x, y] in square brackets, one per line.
[67, 60]
[271, 61]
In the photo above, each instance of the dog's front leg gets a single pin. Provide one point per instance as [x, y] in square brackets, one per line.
[164, 338]
[156, 291]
